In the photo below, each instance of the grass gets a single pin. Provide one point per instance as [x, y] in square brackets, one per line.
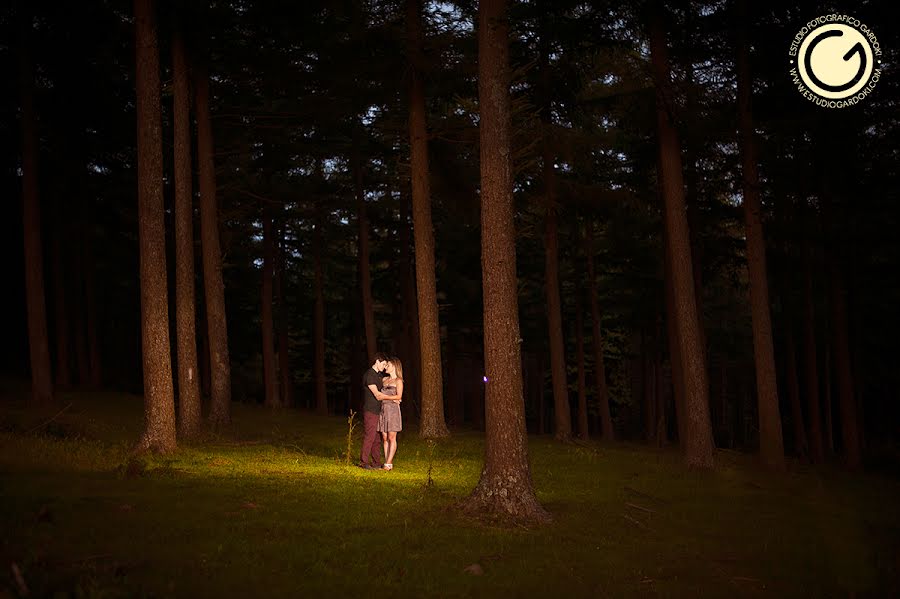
[271, 510]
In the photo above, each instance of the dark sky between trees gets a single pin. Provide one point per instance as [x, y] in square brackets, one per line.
[309, 106]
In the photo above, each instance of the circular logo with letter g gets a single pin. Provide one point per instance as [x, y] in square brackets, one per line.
[835, 61]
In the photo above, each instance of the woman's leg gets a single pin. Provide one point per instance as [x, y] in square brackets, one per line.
[385, 445]
[392, 449]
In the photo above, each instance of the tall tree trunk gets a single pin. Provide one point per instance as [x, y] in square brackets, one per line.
[38, 342]
[698, 444]
[159, 401]
[365, 277]
[319, 313]
[268, 336]
[561, 408]
[432, 424]
[285, 381]
[63, 366]
[189, 405]
[213, 285]
[843, 367]
[813, 410]
[674, 349]
[771, 442]
[205, 374]
[583, 432]
[505, 487]
[691, 187]
[599, 366]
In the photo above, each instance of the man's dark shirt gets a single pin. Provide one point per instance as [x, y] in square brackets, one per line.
[371, 378]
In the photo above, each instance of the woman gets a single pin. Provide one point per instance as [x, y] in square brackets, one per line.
[390, 422]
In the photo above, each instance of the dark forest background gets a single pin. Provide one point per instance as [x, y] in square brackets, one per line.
[309, 110]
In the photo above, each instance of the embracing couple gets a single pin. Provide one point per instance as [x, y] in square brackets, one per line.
[382, 394]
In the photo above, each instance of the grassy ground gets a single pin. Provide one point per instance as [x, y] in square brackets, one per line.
[271, 510]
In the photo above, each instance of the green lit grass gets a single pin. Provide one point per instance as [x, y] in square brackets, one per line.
[270, 509]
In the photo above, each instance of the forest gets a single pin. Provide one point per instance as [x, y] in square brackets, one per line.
[616, 236]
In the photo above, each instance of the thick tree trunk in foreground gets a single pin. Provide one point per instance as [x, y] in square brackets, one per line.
[38, 343]
[771, 442]
[189, 405]
[505, 488]
[608, 432]
[674, 350]
[698, 444]
[268, 332]
[159, 401]
[432, 424]
[319, 313]
[213, 285]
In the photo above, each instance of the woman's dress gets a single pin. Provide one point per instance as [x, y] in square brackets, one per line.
[390, 420]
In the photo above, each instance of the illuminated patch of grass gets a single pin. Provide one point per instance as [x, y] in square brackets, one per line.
[270, 508]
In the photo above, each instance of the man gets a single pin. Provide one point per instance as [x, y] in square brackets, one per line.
[372, 398]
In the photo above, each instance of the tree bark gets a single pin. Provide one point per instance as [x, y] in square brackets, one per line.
[285, 380]
[268, 336]
[561, 409]
[608, 431]
[189, 405]
[771, 441]
[214, 287]
[319, 313]
[674, 349]
[159, 401]
[698, 444]
[505, 488]
[38, 342]
[432, 424]
[813, 410]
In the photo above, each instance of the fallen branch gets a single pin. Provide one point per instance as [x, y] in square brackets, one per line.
[645, 495]
[640, 507]
[637, 523]
[43, 424]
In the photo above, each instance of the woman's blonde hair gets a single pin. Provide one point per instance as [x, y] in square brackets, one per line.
[398, 365]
